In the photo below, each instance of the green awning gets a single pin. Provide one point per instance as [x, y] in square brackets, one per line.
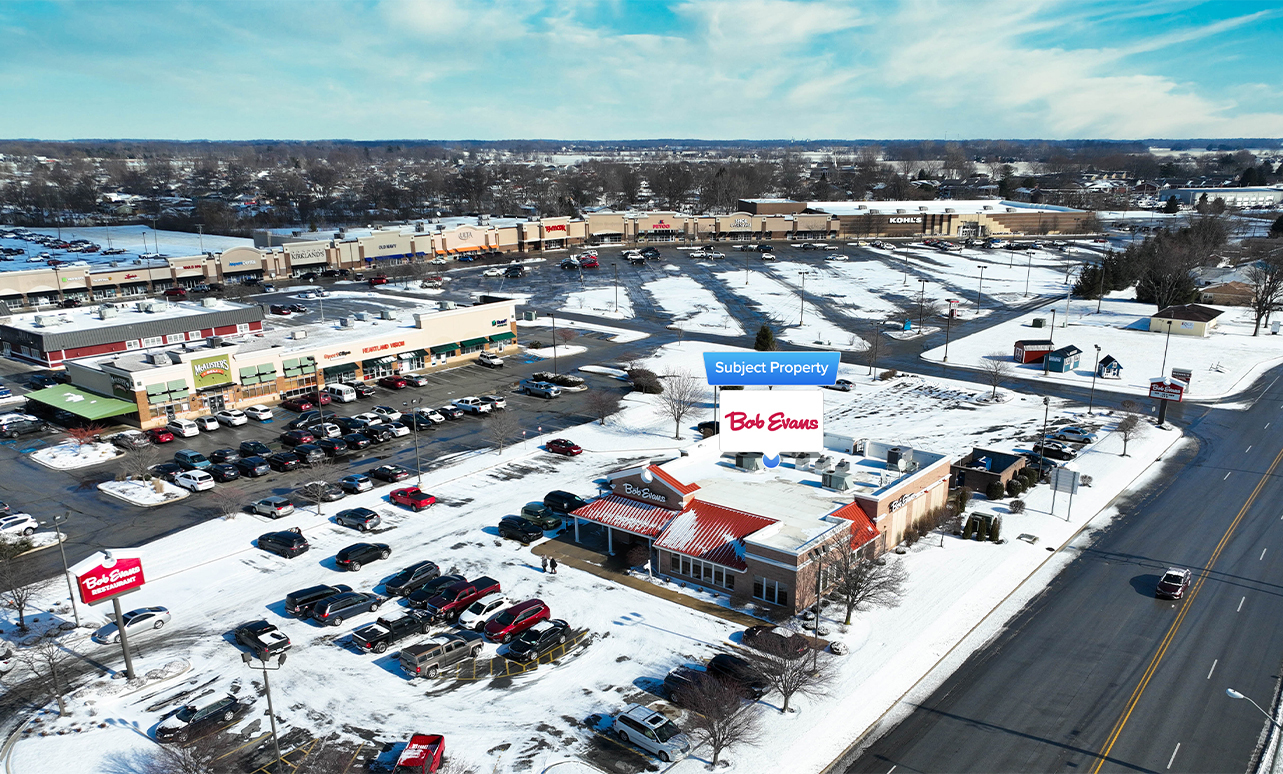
[503, 336]
[441, 349]
[81, 403]
[339, 371]
[473, 342]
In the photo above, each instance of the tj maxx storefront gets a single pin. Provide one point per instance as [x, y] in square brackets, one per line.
[185, 382]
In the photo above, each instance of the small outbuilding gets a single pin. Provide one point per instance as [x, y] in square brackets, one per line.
[1064, 360]
[984, 466]
[1185, 320]
[1109, 368]
[1032, 350]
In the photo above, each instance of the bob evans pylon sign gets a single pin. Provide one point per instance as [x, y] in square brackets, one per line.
[109, 578]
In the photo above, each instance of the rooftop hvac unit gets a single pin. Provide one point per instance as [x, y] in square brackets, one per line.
[987, 207]
[949, 209]
[360, 316]
[345, 322]
[209, 303]
[106, 312]
[46, 320]
[446, 305]
[749, 461]
[922, 209]
[901, 212]
[387, 314]
[214, 341]
[419, 227]
[896, 455]
[838, 480]
[299, 334]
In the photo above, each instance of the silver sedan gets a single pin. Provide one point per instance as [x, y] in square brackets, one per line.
[136, 621]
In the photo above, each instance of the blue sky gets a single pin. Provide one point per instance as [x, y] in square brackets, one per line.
[618, 69]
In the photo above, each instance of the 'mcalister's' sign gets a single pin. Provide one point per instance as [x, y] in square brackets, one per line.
[104, 582]
[771, 421]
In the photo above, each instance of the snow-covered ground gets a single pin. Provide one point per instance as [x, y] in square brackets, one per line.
[600, 301]
[1223, 363]
[139, 492]
[693, 306]
[782, 303]
[135, 240]
[635, 638]
[69, 456]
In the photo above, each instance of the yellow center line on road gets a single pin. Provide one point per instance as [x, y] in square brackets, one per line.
[1180, 618]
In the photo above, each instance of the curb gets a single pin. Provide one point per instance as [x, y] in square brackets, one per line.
[7, 750]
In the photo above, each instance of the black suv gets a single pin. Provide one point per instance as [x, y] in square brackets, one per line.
[563, 502]
[420, 596]
[253, 466]
[334, 610]
[538, 640]
[255, 449]
[520, 530]
[739, 672]
[283, 462]
[262, 638]
[300, 602]
[356, 555]
[411, 578]
[224, 456]
[514, 272]
[309, 418]
[289, 543]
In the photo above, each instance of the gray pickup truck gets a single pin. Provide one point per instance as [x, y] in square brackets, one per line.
[540, 389]
[428, 658]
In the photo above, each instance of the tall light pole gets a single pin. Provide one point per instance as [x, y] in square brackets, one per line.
[248, 658]
[615, 267]
[1042, 444]
[922, 303]
[948, 329]
[1163, 371]
[553, 317]
[1091, 402]
[980, 288]
[411, 406]
[802, 314]
[1233, 694]
[57, 521]
[1028, 270]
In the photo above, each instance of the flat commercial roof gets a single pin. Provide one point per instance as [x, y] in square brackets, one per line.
[81, 403]
[932, 207]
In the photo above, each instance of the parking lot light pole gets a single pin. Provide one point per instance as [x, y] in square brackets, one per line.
[1028, 270]
[922, 301]
[615, 267]
[71, 591]
[980, 288]
[414, 425]
[554, 342]
[802, 314]
[1233, 694]
[1042, 445]
[248, 658]
[948, 331]
[1091, 402]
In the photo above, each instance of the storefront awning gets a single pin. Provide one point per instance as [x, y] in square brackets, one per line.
[473, 342]
[606, 233]
[503, 336]
[443, 348]
[389, 257]
[339, 371]
[81, 403]
[406, 356]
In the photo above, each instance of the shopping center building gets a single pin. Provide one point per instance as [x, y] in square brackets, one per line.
[201, 376]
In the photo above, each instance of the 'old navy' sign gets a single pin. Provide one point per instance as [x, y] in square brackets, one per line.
[644, 493]
[771, 368]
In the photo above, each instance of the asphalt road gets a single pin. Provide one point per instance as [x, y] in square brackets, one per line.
[1096, 674]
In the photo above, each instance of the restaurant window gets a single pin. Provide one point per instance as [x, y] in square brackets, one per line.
[153, 341]
[705, 572]
[769, 590]
[131, 344]
[242, 327]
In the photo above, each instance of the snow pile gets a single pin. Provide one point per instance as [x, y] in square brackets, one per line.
[139, 492]
[69, 455]
[600, 301]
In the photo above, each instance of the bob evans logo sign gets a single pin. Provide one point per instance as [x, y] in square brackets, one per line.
[109, 579]
[902, 220]
[644, 493]
[209, 371]
[772, 421]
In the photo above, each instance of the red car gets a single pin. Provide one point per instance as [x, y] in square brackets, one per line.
[318, 398]
[516, 620]
[422, 755]
[563, 446]
[382, 279]
[159, 435]
[413, 498]
[588, 262]
[297, 404]
[393, 383]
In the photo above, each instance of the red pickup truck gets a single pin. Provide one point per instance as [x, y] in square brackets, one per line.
[412, 497]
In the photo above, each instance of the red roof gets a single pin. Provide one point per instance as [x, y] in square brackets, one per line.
[667, 478]
[713, 533]
[628, 515]
[862, 528]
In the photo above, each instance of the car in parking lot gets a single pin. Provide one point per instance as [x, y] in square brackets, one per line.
[397, 429]
[495, 401]
[1173, 583]
[1074, 435]
[280, 309]
[252, 467]
[224, 456]
[540, 515]
[190, 459]
[166, 470]
[356, 441]
[432, 415]
[190, 719]
[299, 603]
[194, 480]
[297, 404]
[563, 446]
[206, 423]
[260, 413]
[254, 449]
[1055, 450]
[451, 412]
[307, 419]
[481, 610]
[356, 483]
[681, 681]
[363, 390]
[516, 619]
[325, 430]
[495, 272]
[740, 673]
[386, 413]
[429, 589]
[393, 383]
[415, 380]
[538, 640]
[332, 611]
[223, 472]
[283, 462]
[159, 435]
[413, 498]
[539, 389]
[18, 524]
[274, 507]
[332, 447]
[651, 731]
[308, 453]
[514, 272]
[183, 428]
[842, 385]
[129, 440]
[520, 530]
[360, 519]
[261, 638]
[296, 437]
[389, 473]
[231, 417]
[380, 433]
[136, 621]
[776, 641]
[411, 578]
[357, 555]
[429, 658]
[490, 359]
[472, 405]
[376, 637]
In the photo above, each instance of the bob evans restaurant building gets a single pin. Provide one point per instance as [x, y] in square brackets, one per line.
[201, 378]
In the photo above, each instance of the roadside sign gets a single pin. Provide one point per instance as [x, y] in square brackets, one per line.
[1167, 389]
[1064, 480]
[110, 578]
[1183, 375]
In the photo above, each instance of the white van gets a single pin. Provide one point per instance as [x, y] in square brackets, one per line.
[183, 428]
[341, 392]
[194, 480]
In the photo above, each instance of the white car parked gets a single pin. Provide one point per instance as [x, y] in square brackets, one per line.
[370, 418]
[260, 412]
[492, 273]
[326, 430]
[388, 413]
[432, 415]
[194, 480]
[183, 428]
[231, 417]
[397, 429]
[481, 611]
[18, 524]
[206, 422]
[136, 622]
[472, 405]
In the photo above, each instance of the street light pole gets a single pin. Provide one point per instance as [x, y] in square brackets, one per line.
[414, 412]
[802, 314]
[948, 329]
[1163, 371]
[980, 288]
[71, 591]
[615, 267]
[1028, 270]
[1091, 402]
[553, 317]
[248, 658]
[1042, 445]
[1233, 694]
[922, 304]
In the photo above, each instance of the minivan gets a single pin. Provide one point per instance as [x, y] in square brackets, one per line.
[300, 602]
[563, 502]
[341, 392]
[191, 459]
[183, 428]
[652, 732]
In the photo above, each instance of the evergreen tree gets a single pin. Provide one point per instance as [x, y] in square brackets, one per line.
[1172, 206]
[765, 341]
[1276, 230]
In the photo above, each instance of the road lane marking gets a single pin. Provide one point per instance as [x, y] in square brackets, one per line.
[1213, 669]
[1267, 425]
[1240, 605]
[1263, 550]
[1248, 449]
[1157, 659]
[1227, 475]
[1172, 760]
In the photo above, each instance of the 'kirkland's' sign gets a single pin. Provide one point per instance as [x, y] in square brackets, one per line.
[775, 368]
[211, 371]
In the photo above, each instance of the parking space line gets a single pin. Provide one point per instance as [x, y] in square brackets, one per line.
[1213, 669]
[1240, 605]
[1172, 760]
[255, 740]
[1262, 556]
[352, 760]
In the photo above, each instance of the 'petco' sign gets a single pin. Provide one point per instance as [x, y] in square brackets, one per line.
[110, 578]
[772, 421]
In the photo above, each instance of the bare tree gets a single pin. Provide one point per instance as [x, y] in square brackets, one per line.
[205, 755]
[682, 393]
[789, 672]
[313, 484]
[604, 403]
[47, 660]
[228, 502]
[863, 583]
[996, 369]
[1130, 428]
[17, 581]
[501, 427]
[138, 462]
[1266, 278]
[719, 716]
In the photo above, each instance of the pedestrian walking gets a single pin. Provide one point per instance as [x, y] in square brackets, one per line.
[553, 564]
[545, 563]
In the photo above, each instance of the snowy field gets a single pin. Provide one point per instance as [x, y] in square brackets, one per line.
[600, 301]
[1223, 363]
[782, 303]
[135, 240]
[693, 306]
[634, 638]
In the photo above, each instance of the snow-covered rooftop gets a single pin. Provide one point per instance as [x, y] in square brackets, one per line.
[86, 317]
[931, 207]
